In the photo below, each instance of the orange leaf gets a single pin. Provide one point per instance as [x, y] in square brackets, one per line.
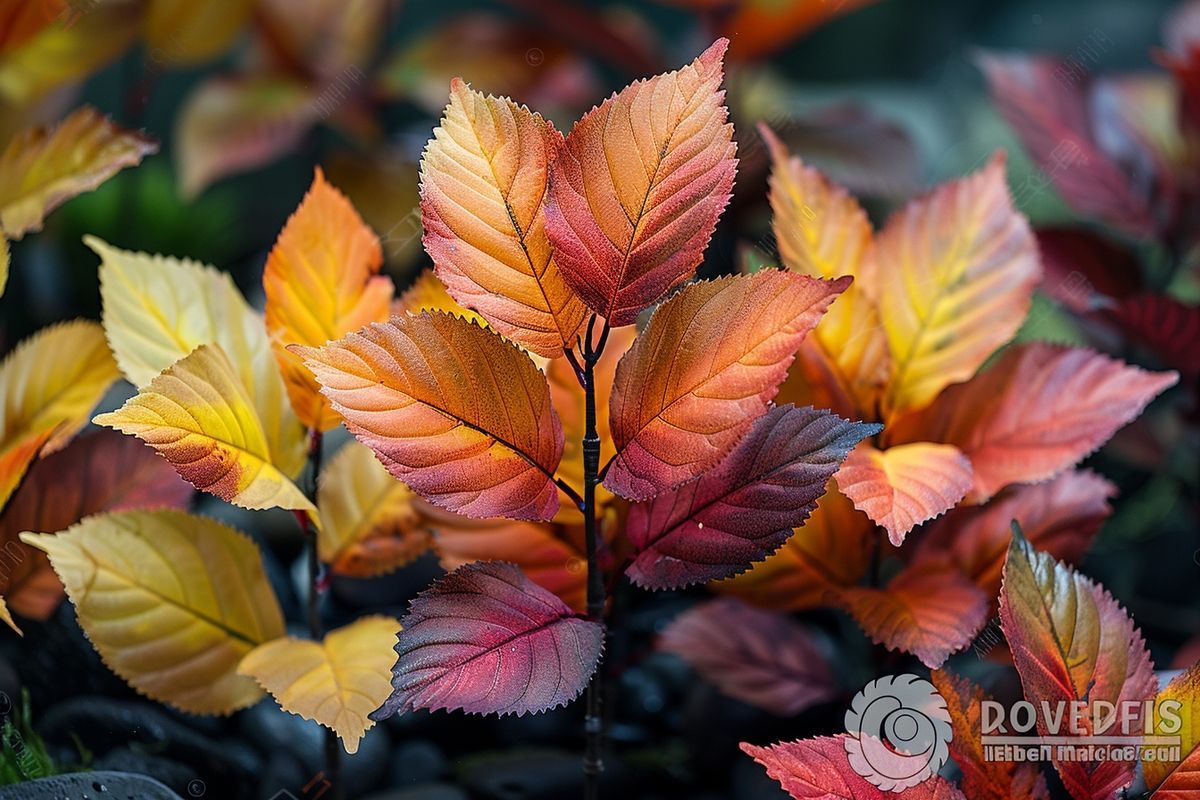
[706, 366]
[1072, 643]
[930, 610]
[1177, 780]
[638, 185]
[21, 20]
[1040, 409]
[983, 778]
[903, 486]
[427, 293]
[483, 190]
[452, 409]
[759, 29]
[321, 283]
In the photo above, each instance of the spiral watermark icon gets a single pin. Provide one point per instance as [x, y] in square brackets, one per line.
[899, 732]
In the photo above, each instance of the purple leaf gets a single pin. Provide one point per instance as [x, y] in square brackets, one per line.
[760, 657]
[487, 640]
[746, 507]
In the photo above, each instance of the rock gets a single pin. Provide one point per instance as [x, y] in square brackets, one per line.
[57, 661]
[172, 774]
[432, 791]
[535, 776]
[91, 786]
[417, 761]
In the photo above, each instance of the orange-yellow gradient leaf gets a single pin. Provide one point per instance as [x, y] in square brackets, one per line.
[456, 411]
[483, 193]
[49, 385]
[6, 617]
[1177, 780]
[956, 272]
[337, 682]
[1039, 409]
[822, 231]
[427, 293]
[830, 552]
[159, 309]
[4, 259]
[171, 601]
[197, 415]
[370, 524]
[44, 167]
[180, 32]
[638, 185]
[21, 20]
[706, 366]
[321, 282]
[903, 486]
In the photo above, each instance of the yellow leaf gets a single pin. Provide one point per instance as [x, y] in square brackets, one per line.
[50, 384]
[322, 282]
[186, 32]
[370, 524]
[428, 293]
[171, 601]
[158, 309]
[3, 263]
[42, 168]
[197, 415]
[6, 617]
[336, 682]
[956, 272]
[24, 19]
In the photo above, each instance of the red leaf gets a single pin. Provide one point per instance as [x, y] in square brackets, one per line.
[746, 507]
[638, 185]
[487, 640]
[819, 769]
[1083, 270]
[1167, 328]
[759, 657]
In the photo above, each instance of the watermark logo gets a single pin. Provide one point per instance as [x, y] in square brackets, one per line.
[899, 732]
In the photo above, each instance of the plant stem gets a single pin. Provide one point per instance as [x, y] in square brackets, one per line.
[315, 630]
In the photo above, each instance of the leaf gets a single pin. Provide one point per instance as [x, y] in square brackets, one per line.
[101, 471]
[956, 273]
[831, 551]
[321, 282]
[483, 191]
[179, 32]
[1165, 327]
[545, 552]
[707, 364]
[819, 769]
[232, 125]
[1039, 409]
[171, 601]
[1085, 271]
[452, 409]
[983, 778]
[759, 657]
[21, 20]
[487, 640]
[4, 258]
[370, 524]
[1177, 780]
[903, 486]
[637, 187]
[1071, 642]
[51, 382]
[930, 610]
[44, 167]
[7, 619]
[746, 507]
[337, 682]
[159, 309]
[1061, 517]
[197, 415]
[427, 293]
[760, 29]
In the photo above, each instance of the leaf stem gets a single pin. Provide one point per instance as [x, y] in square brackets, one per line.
[593, 761]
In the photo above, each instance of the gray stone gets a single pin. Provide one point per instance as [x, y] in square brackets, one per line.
[101, 785]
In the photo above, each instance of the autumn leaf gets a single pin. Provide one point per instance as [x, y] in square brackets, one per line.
[1060, 517]
[903, 486]
[44, 167]
[1039, 409]
[171, 601]
[760, 29]
[370, 524]
[483, 193]
[830, 552]
[983, 778]
[101, 471]
[1166, 327]
[930, 610]
[638, 185]
[337, 682]
[179, 32]
[487, 640]
[21, 20]
[759, 657]
[956, 272]
[746, 507]
[709, 361]
[452, 409]
[427, 293]
[321, 282]
[4, 258]
[51, 382]
[819, 769]
[1177, 780]
[1071, 642]
[197, 415]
